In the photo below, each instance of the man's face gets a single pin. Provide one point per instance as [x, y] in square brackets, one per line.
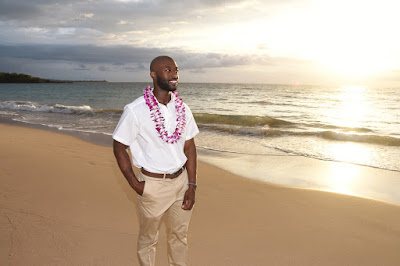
[167, 75]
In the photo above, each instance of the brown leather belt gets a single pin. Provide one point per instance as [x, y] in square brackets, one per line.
[171, 176]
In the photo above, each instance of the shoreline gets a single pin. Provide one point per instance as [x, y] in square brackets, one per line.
[301, 172]
[65, 202]
[359, 180]
[90, 137]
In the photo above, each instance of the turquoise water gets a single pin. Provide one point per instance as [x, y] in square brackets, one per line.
[347, 124]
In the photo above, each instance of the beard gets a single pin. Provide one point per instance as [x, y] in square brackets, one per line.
[164, 85]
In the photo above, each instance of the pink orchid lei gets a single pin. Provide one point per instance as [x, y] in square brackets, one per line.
[158, 119]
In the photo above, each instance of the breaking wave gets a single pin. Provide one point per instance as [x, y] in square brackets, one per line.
[269, 127]
[55, 108]
[246, 125]
[240, 120]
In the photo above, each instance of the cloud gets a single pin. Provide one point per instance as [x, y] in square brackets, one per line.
[179, 22]
[86, 54]
[104, 15]
[82, 67]
[126, 56]
[85, 16]
[127, 63]
[117, 39]
[24, 10]
[102, 68]
[262, 46]
[93, 22]
[17, 9]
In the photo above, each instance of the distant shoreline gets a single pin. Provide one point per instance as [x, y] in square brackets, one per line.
[24, 78]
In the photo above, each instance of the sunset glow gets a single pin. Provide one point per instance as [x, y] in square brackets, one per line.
[303, 42]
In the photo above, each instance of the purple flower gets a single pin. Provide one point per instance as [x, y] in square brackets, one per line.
[158, 119]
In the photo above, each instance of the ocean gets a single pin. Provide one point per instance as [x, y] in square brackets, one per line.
[352, 125]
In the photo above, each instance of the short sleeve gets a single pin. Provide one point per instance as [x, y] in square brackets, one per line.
[127, 128]
[191, 126]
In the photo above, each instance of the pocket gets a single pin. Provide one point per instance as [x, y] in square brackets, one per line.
[146, 187]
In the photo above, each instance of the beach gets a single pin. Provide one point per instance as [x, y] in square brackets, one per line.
[65, 202]
[246, 128]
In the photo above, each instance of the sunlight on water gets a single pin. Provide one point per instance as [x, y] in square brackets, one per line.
[353, 108]
[344, 177]
[349, 151]
[351, 112]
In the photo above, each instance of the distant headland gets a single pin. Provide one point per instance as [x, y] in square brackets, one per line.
[23, 78]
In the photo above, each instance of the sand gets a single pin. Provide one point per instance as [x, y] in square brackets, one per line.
[63, 201]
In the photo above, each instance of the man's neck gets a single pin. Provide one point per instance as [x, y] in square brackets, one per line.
[162, 96]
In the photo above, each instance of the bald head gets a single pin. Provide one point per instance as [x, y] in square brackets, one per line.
[159, 60]
[164, 72]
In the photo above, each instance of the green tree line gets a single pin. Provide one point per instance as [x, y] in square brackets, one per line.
[20, 78]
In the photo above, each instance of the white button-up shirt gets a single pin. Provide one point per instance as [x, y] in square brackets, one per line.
[137, 130]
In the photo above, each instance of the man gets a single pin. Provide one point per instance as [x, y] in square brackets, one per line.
[159, 129]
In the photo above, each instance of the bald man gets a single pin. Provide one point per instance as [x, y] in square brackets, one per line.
[159, 129]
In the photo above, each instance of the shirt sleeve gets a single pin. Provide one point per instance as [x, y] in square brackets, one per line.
[127, 128]
[191, 126]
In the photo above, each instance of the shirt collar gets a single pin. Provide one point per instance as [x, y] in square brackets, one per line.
[173, 97]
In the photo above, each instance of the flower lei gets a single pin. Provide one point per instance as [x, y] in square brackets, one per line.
[158, 119]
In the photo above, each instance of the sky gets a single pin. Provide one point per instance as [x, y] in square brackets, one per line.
[325, 42]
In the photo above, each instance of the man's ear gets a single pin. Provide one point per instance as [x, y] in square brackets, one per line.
[153, 75]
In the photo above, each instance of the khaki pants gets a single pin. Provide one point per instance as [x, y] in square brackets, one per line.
[162, 196]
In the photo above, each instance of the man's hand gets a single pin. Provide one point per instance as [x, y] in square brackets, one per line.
[191, 166]
[139, 188]
[189, 198]
[124, 164]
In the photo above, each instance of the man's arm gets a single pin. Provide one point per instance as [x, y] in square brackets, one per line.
[191, 166]
[125, 165]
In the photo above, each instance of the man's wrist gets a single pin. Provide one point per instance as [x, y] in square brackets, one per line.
[192, 185]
